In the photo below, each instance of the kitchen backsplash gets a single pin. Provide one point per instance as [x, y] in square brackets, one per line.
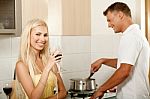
[76, 60]
[76, 56]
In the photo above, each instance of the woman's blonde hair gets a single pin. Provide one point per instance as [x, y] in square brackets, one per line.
[27, 54]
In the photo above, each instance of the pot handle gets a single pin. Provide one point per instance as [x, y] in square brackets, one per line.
[96, 86]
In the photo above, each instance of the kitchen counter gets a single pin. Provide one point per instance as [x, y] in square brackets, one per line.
[109, 95]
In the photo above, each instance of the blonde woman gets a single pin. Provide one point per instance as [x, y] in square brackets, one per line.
[36, 69]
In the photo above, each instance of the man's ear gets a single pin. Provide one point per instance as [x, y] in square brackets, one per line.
[121, 14]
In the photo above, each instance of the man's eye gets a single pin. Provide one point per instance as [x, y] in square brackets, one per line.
[37, 34]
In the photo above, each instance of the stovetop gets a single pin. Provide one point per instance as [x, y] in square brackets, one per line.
[86, 94]
[80, 94]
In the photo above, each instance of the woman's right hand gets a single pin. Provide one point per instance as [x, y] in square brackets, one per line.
[54, 57]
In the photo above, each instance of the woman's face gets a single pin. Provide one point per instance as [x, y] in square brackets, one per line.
[39, 37]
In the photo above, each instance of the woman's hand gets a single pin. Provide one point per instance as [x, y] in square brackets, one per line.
[54, 57]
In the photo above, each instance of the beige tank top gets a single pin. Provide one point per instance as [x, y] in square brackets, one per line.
[50, 85]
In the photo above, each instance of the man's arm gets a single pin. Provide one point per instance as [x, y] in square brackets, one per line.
[118, 77]
[98, 63]
[110, 62]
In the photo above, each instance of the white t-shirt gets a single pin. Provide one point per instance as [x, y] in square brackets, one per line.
[134, 50]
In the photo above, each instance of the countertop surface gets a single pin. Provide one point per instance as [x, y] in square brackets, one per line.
[109, 95]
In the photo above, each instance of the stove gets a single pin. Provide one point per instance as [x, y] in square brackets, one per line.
[80, 94]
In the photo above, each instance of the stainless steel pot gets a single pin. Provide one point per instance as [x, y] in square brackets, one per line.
[82, 84]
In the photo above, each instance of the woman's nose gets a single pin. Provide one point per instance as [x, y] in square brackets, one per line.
[42, 37]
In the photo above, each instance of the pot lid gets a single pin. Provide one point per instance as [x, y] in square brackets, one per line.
[81, 79]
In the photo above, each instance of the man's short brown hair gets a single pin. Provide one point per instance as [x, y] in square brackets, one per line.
[118, 6]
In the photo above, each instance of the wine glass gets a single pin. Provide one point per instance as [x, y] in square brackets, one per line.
[58, 48]
[7, 88]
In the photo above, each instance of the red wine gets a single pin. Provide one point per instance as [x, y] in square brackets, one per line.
[7, 90]
[58, 55]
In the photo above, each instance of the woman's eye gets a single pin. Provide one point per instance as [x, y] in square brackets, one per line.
[45, 35]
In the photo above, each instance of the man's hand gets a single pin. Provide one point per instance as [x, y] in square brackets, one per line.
[96, 65]
[97, 94]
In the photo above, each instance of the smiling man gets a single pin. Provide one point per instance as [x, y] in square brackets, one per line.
[132, 63]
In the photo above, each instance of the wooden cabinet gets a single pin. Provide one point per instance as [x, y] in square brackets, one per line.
[147, 21]
[64, 17]
[70, 17]
[34, 9]
[15, 14]
[10, 17]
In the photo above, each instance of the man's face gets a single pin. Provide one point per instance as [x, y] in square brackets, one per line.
[114, 21]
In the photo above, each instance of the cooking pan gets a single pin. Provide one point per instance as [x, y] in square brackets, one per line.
[78, 84]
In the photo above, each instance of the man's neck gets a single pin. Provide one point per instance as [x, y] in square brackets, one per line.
[126, 23]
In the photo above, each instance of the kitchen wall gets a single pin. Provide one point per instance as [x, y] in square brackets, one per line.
[78, 51]
[9, 48]
[76, 56]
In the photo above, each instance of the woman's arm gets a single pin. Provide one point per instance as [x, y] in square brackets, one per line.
[61, 88]
[62, 93]
[26, 81]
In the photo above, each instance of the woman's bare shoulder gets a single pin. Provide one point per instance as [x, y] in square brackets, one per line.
[20, 65]
[19, 62]
[21, 70]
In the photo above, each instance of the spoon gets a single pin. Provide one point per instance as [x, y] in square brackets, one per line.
[91, 74]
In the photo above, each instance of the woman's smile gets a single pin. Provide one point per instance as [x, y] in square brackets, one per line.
[39, 37]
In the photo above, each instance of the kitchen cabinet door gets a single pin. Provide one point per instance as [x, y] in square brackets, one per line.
[76, 17]
[10, 17]
[69, 17]
[147, 21]
[34, 9]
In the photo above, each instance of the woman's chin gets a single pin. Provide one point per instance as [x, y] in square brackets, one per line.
[39, 49]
